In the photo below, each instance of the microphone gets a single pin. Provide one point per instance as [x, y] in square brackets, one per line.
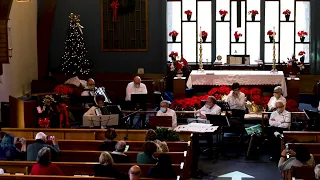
[126, 137]
[278, 135]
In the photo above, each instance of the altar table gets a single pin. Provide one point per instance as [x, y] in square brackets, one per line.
[226, 78]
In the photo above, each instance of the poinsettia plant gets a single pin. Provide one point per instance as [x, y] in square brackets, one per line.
[293, 66]
[301, 53]
[188, 12]
[286, 12]
[173, 33]
[63, 89]
[302, 33]
[173, 55]
[179, 64]
[237, 35]
[270, 33]
[223, 12]
[204, 34]
[253, 12]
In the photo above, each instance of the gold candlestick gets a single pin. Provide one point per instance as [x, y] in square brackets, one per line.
[274, 67]
[200, 52]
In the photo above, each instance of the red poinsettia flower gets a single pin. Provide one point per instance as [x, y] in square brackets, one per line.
[265, 101]
[224, 90]
[188, 12]
[184, 61]
[217, 96]
[301, 53]
[237, 35]
[286, 12]
[255, 91]
[270, 33]
[213, 91]
[173, 54]
[63, 89]
[245, 91]
[173, 33]
[302, 33]
[253, 12]
[204, 34]
[178, 65]
[223, 12]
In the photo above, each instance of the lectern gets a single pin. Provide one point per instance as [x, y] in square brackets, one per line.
[179, 87]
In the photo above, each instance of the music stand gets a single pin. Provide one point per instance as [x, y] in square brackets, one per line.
[104, 120]
[160, 121]
[140, 99]
[223, 105]
[218, 120]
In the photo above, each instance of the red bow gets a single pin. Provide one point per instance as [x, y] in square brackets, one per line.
[64, 114]
[45, 123]
[114, 6]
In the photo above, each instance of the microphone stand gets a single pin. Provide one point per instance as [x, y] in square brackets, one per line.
[127, 125]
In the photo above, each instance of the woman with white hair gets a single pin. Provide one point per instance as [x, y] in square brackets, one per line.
[166, 111]
[276, 96]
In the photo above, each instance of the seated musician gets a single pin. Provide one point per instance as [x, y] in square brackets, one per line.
[90, 88]
[279, 121]
[93, 110]
[166, 111]
[135, 87]
[209, 108]
[276, 96]
[237, 101]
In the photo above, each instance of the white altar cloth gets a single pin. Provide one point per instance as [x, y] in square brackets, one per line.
[226, 78]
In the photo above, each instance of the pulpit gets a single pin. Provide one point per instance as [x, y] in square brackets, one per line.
[179, 87]
[293, 86]
[22, 112]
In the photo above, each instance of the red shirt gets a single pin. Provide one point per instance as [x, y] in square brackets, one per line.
[51, 169]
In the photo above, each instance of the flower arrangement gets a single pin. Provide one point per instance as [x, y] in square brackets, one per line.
[293, 66]
[302, 53]
[223, 14]
[253, 12]
[178, 65]
[174, 35]
[302, 35]
[204, 35]
[44, 122]
[287, 13]
[220, 93]
[63, 89]
[189, 14]
[188, 104]
[173, 55]
[237, 36]
[270, 33]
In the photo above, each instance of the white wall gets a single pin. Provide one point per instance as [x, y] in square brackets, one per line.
[23, 67]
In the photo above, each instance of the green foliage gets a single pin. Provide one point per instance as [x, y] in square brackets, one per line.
[165, 134]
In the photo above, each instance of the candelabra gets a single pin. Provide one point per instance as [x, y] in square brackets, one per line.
[200, 52]
[274, 67]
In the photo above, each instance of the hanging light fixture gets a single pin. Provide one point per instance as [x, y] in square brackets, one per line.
[10, 43]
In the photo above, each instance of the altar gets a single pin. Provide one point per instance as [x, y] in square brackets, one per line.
[226, 78]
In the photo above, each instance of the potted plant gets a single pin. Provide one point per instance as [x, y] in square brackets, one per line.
[204, 35]
[302, 53]
[174, 35]
[287, 14]
[302, 35]
[271, 34]
[173, 55]
[253, 14]
[223, 14]
[237, 36]
[165, 134]
[189, 14]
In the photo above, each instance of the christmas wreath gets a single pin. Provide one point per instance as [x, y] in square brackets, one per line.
[118, 8]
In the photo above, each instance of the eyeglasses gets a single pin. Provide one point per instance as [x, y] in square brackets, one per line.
[135, 173]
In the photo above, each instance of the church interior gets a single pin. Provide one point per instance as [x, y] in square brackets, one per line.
[159, 89]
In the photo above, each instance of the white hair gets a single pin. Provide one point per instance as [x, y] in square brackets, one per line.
[317, 171]
[165, 101]
[279, 101]
[279, 89]
[41, 135]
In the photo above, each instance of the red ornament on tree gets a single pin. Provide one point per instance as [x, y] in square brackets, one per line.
[114, 6]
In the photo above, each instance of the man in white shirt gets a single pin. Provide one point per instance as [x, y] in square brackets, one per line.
[237, 101]
[210, 108]
[166, 111]
[280, 118]
[135, 87]
[276, 96]
[90, 88]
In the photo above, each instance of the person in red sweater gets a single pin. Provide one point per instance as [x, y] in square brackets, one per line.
[44, 165]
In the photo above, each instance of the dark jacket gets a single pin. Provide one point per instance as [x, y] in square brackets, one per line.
[108, 171]
[143, 158]
[33, 149]
[162, 173]
[108, 146]
[120, 158]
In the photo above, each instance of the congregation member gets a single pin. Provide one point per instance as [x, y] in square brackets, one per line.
[280, 120]
[209, 108]
[166, 111]
[135, 87]
[44, 165]
[118, 155]
[151, 135]
[90, 88]
[164, 165]
[300, 157]
[317, 171]
[40, 142]
[105, 167]
[8, 150]
[109, 144]
[134, 173]
[237, 101]
[146, 157]
[277, 95]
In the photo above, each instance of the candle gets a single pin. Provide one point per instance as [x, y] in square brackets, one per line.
[274, 32]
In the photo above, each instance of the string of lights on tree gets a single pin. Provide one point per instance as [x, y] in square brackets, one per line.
[74, 61]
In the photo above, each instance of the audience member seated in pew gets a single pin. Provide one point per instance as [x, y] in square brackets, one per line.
[166, 111]
[41, 138]
[162, 146]
[134, 172]
[317, 171]
[8, 150]
[300, 157]
[163, 169]
[44, 165]
[146, 157]
[118, 155]
[110, 143]
[106, 168]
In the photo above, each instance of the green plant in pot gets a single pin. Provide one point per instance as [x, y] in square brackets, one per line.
[165, 134]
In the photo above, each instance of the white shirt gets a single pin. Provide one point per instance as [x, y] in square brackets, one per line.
[131, 89]
[273, 100]
[282, 120]
[171, 113]
[237, 103]
[216, 110]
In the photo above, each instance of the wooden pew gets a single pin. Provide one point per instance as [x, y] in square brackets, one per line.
[306, 173]
[302, 136]
[75, 168]
[314, 148]
[30, 177]
[93, 145]
[93, 156]
[83, 134]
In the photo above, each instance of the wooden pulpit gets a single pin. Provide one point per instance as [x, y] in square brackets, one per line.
[179, 87]
[22, 113]
[293, 88]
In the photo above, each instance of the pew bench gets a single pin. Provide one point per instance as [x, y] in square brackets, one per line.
[30, 177]
[93, 145]
[314, 148]
[304, 173]
[76, 168]
[93, 156]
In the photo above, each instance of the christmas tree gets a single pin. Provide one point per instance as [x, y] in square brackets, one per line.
[74, 61]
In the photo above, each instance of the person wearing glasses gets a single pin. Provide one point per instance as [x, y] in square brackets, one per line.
[237, 101]
[276, 96]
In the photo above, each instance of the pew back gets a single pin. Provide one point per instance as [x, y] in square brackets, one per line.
[30, 177]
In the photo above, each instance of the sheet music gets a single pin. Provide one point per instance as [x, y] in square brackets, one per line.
[196, 127]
